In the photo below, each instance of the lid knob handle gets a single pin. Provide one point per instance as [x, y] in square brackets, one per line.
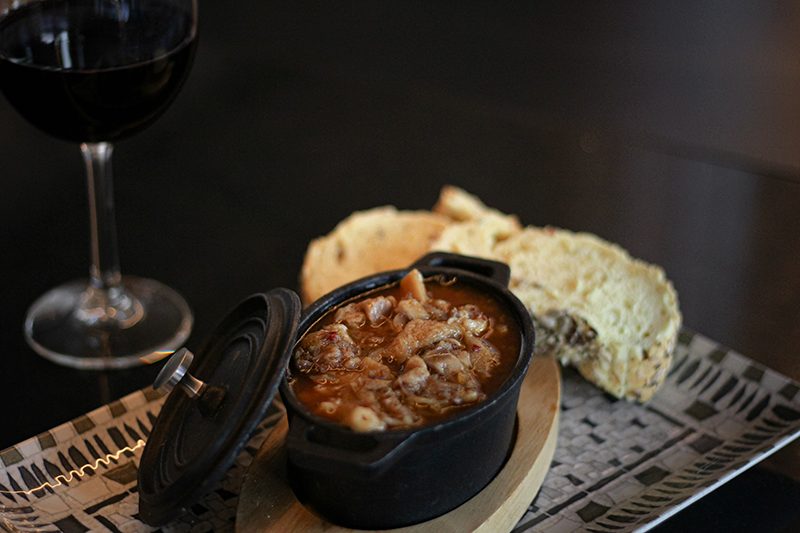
[176, 372]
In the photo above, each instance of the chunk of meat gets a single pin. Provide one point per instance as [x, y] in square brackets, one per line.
[455, 384]
[439, 394]
[366, 391]
[445, 364]
[483, 355]
[330, 348]
[414, 362]
[372, 310]
[445, 346]
[470, 318]
[409, 309]
[399, 413]
[375, 369]
[378, 309]
[415, 374]
[412, 283]
[459, 380]
[416, 335]
[381, 397]
[351, 315]
[438, 309]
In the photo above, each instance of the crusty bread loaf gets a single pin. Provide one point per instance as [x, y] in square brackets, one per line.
[614, 318]
[366, 242]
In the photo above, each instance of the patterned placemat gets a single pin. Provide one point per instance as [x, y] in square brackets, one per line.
[618, 466]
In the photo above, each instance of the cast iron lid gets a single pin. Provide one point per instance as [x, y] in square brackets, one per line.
[222, 398]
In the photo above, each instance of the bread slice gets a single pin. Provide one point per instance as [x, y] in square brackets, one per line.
[366, 242]
[614, 318]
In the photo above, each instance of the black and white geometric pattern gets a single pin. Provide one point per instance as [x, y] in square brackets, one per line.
[46, 486]
[621, 467]
[617, 467]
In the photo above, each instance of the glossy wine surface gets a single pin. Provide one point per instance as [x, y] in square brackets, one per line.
[94, 70]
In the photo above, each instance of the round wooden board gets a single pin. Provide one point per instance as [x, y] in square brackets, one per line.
[267, 503]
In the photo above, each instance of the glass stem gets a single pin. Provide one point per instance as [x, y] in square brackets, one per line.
[105, 302]
[104, 271]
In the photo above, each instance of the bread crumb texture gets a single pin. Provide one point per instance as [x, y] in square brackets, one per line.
[613, 317]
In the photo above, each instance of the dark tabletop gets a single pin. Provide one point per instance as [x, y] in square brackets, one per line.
[672, 130]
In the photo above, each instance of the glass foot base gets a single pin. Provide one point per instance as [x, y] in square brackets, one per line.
[57, 329]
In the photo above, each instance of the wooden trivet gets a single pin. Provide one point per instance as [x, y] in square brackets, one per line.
[267, 503]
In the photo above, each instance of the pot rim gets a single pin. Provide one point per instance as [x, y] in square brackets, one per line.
[375, 282]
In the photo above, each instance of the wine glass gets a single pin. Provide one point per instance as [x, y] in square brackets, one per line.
[93, 72]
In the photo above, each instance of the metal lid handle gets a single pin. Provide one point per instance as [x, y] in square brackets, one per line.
[176, 372]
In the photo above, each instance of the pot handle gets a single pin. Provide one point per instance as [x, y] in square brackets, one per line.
[361, 453]
[495, 270]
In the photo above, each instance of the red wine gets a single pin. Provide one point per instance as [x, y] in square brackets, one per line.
[94, 70]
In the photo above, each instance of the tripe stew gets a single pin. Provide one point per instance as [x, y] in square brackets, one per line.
[406, 355]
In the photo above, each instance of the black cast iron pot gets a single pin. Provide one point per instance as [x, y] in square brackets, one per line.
[395, 478]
